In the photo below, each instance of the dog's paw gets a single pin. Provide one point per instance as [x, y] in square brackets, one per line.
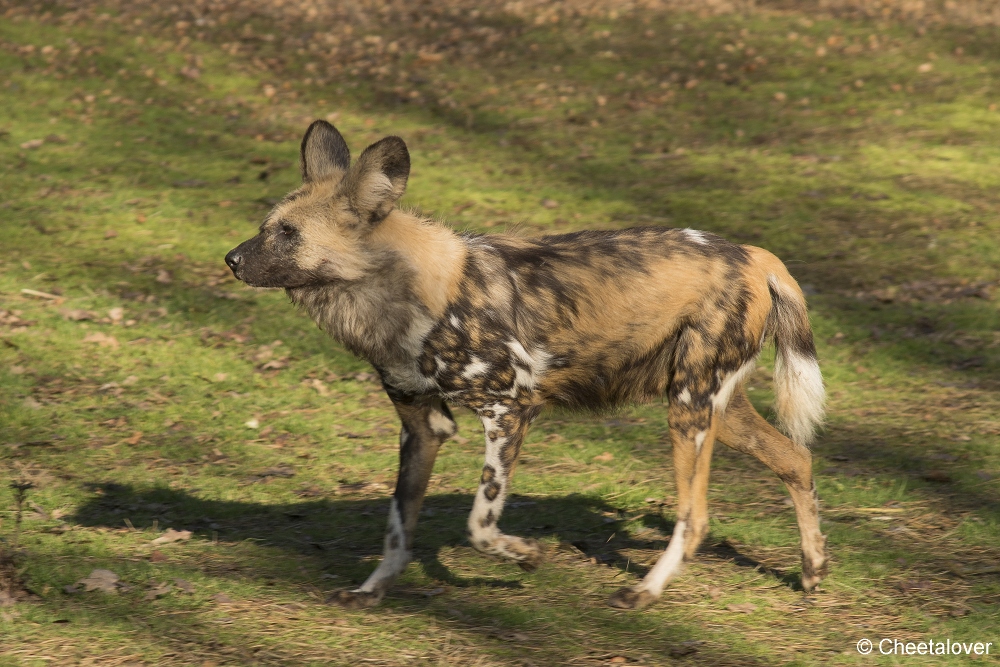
[814, 571]
[354, 599]
[532, 554]
[812, 577]
[629, 598]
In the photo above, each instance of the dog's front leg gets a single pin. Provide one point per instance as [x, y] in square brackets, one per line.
[427, 423]
[505, 425]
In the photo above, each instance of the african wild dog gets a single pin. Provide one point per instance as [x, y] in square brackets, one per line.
[505, 325]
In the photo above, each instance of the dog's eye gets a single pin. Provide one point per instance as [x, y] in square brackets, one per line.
[287, 229]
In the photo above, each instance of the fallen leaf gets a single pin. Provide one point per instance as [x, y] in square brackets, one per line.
[116, 314]
[925, 67]
[715, 592]
[32, 144]
[157, 557]
[252, 423]
[605, 457]
[184, 585]
[102, 339]
[163, 277]
[110, 234]
[319, 386]
[549, 203]
[77, 315]
[101, 580]
[135, 438]
[429, 57]
[158, 591]
[172, 536]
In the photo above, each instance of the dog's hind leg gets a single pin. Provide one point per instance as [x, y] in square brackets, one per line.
[427, 423]
[746, 431]
[692, 434]
[505, 425]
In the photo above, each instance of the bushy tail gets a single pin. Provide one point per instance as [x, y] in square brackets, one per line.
[798, 384]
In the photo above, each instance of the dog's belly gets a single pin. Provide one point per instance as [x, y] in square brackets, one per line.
[594, 378]
[615, 375]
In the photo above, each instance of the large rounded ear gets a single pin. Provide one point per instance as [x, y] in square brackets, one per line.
[378, 179]
[324, 152]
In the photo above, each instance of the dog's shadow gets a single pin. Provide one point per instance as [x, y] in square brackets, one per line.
[344, 535]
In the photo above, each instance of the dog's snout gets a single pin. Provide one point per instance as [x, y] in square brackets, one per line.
[234, 258]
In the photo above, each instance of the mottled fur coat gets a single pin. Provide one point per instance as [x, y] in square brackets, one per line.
[506, 325]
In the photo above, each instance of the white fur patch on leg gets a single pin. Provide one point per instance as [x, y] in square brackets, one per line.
[720, 400]
[482, 524]
[395, 557]
[440, 425]
[484, 533]
[529, 366]
[684, 397]
[668, 565]
[475, 368]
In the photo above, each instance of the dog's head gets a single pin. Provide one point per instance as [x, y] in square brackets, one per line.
[317, 234]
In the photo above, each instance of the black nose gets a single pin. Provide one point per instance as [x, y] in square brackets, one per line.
[234, 258]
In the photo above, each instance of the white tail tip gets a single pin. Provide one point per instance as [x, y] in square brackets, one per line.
[799, 395]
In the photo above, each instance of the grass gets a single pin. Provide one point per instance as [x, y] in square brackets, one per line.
[148, 391]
